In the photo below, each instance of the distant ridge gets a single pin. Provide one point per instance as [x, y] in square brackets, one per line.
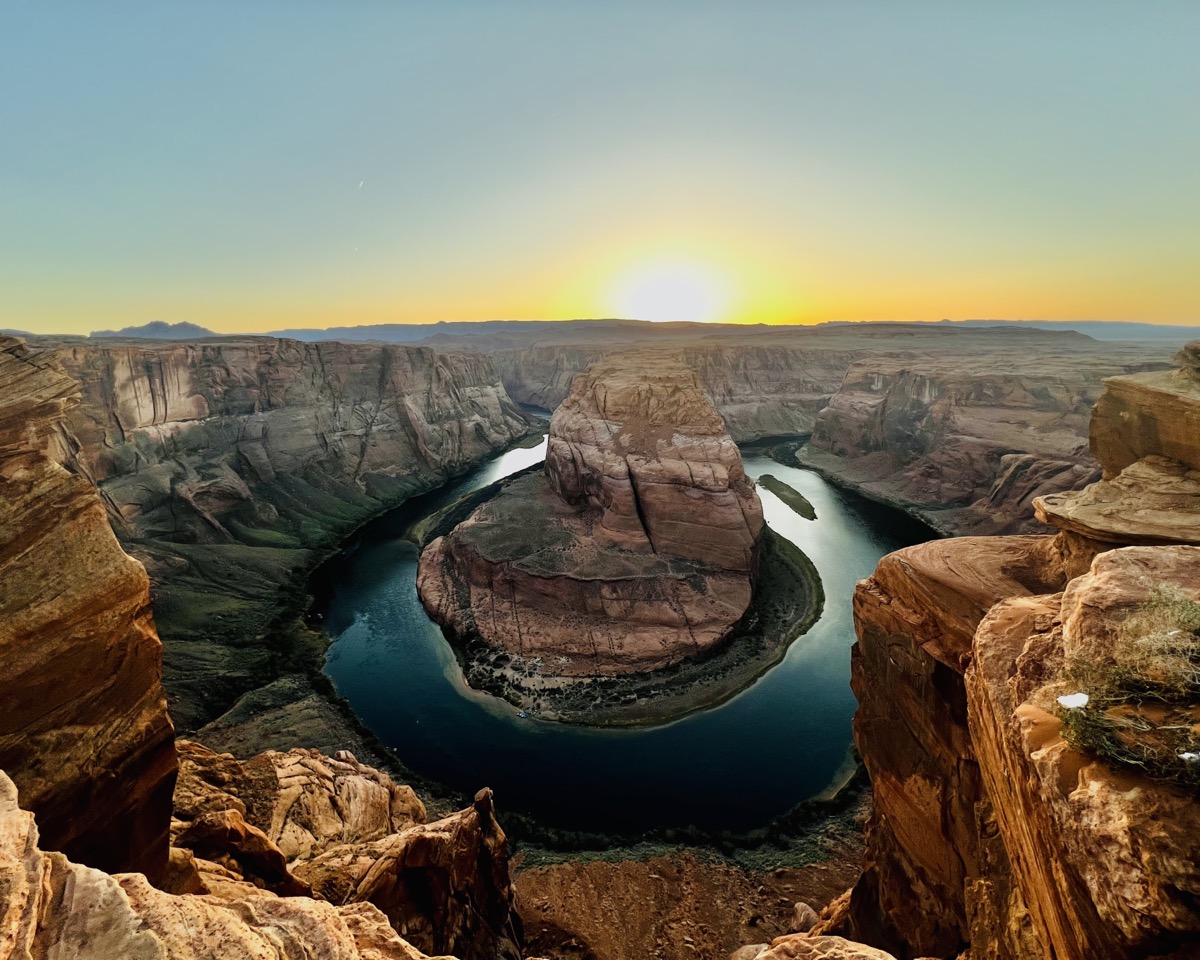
[499, 332]
[1096, 329]
[158, 330]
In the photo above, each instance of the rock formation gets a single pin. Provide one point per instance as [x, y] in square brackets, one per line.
[52, 907]
[84, 729]
[965, 426]
[257, 852]
[227, 467]
[989, 830]
[302, 824]
[967, 442]
[637, 548]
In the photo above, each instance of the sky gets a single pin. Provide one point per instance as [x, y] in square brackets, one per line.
[256, 165]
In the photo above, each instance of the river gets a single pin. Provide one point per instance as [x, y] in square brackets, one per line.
[732, 767]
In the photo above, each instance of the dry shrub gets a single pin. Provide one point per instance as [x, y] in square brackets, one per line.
[1144, 697]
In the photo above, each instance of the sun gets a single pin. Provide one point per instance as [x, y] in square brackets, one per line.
[671, 290]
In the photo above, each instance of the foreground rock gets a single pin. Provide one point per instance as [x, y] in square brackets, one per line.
[51, 907]
[302, 824]
[988, 830]
[229, 466]
[636, 550]
[84, 729]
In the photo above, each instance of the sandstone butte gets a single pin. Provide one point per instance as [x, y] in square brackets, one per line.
[637, 548]
[988, 832]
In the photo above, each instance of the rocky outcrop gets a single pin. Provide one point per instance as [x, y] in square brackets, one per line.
[916, 617]
[228, 465]
[303, 824]
[1104, 857]
[964, 426]
[988, 831]
[645, 449]
[820, 948]
[52, 907]
[84, 729]
[637, 548]
[967, 442]
[1150, 414]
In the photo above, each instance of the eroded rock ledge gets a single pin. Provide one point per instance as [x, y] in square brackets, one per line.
[638, 547]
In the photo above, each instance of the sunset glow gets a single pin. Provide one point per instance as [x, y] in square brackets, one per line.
[777, 163]
[671, 291]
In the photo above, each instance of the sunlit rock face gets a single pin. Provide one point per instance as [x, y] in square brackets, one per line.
[988, 831]
[636, 549]
[84, 729]
[642, 445]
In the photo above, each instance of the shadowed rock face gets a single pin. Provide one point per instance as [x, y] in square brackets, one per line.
[227, 466]
[84, 729]
[638, 547]
[987, 830]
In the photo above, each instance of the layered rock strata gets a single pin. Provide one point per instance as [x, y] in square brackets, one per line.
[84, 729]
[637, 548]
[963, 426]
[988, 831]
[228, 466]
[50, 906]
[303, 824]
[967, 442]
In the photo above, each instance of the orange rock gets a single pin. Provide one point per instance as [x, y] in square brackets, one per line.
[84, 729]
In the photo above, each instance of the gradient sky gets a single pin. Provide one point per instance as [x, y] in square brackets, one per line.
[202, 161]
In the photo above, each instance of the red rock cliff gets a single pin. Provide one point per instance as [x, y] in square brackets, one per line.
[84, 729]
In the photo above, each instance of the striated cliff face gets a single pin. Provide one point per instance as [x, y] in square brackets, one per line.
[988, 831]
[759, 390]
[966, 442]
[964, 427]
[1104, 856]
[226, 466]
[635, 550]
[84, 729]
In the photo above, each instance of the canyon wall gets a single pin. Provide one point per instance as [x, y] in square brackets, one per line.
[84, 729]
[232, 858]
[966, 442]
[759, 390]
[228, 466]
[962, 427]
[989, 831]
